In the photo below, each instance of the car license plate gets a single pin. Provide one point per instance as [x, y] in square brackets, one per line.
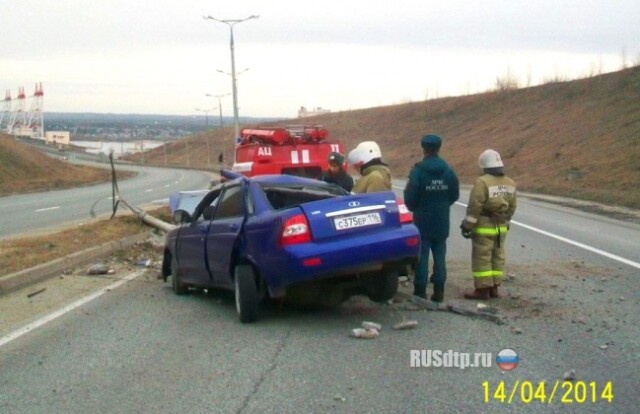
[357, 220]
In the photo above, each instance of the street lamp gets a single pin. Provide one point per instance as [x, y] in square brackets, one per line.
[206, 112]
[231, 23]
[219, 103]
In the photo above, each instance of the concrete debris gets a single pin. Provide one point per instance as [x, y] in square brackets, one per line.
[98, 269]
[364, 333]
[413, 303]
[604, 346]
[569, 375]
[144, 262]
[406, 325]
[490, 315]
[371, 325]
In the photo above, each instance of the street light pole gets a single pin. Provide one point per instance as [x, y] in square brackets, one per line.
[234, 90]
[206, 112]
[219, 97]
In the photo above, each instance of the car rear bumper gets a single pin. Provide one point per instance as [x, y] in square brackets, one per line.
[312, 261]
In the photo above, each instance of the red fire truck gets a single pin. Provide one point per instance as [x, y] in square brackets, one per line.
[300, 150]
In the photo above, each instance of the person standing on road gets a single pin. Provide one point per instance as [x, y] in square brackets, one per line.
[492, 203]
[366, 158]
[336, 173]
[431, 190]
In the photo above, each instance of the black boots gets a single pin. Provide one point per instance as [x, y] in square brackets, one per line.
[438, 294]
[420, 291]
[493, 292]
[478, 294]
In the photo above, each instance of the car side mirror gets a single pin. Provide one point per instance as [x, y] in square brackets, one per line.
[181, 216]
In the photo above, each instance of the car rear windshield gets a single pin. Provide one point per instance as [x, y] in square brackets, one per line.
[283, 196]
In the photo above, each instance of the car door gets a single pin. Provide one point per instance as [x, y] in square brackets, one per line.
[224, 231]
[191, 242]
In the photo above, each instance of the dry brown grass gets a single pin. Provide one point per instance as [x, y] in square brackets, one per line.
[579, 139]
[23, 169]
[22, 253]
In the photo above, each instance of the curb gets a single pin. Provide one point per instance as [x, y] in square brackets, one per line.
[17, 280]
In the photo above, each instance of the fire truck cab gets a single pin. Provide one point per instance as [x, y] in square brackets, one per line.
[300, 150]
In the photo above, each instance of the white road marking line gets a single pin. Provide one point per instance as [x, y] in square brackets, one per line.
[565, 240]
[581, 245]
[54, 315]
[573, 243]
[47, 209]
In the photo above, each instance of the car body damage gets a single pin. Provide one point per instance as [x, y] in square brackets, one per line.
[268, 235]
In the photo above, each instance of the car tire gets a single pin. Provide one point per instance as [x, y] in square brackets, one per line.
[383, 286]
[179, 287]
[246, 293]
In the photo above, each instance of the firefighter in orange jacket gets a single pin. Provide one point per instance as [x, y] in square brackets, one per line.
[492, 203]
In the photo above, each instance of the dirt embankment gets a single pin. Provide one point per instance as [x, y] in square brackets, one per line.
[577, 139]
[24, 169]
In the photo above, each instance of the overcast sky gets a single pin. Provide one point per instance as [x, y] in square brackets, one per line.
[162, 56]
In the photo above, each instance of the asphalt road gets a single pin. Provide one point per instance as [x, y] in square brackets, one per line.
[139, 348]
[42, 211]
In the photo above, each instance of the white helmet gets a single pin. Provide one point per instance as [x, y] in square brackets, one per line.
[490, 159]
[363, 153]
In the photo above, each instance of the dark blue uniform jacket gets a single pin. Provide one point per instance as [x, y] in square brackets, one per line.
[432, 188]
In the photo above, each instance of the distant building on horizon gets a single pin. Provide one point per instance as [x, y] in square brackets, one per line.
[304, 113]
[57, 138]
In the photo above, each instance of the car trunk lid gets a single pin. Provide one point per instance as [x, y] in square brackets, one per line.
[352, 215]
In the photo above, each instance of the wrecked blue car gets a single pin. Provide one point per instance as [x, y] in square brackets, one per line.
[263, 236]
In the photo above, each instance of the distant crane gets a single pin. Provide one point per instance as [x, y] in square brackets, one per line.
[35, 120]
[16, 119]
[5, 115]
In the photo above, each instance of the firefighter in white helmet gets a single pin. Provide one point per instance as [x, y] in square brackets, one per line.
[366, 158]
[492, 203]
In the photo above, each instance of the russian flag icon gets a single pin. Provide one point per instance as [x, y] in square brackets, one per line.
[507, 359]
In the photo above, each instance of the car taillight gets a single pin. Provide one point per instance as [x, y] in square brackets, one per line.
[405, 215]
[412, 241]
[295, 231]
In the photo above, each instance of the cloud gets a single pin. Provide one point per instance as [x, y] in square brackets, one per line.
[163, 56]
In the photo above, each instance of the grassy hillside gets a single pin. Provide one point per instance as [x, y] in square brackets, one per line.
[24, 169]
[579, 138]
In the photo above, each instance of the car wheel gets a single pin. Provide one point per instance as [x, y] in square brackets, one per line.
[246, 293]
[179, 287]
[383, 286]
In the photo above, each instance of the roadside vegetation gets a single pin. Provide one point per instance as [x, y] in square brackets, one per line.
[22, 253]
